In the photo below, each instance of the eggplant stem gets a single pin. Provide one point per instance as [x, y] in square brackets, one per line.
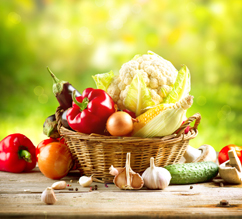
[56, 80]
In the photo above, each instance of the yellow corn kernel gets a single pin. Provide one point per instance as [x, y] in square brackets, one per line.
[146, 117]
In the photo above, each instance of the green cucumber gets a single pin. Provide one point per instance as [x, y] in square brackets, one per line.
[187, 173]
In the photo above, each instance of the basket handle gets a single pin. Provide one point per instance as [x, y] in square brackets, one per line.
[58, 114]
[196, 117]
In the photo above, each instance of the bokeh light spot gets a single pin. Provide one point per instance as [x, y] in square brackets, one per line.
[43, 98]
[14, 18]
[217, 8]
[89, 39]
[114, 24]
[38, 90]
[221, 115]
[224, 112]
[66, 33]
[231, 116]
[226, 109]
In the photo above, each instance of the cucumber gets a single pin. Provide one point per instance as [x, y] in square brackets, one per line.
[192, 172]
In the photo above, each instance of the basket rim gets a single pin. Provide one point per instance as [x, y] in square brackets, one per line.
[113, 139]
[179, 136]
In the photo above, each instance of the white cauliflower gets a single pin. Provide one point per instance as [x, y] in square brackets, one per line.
[159, 76]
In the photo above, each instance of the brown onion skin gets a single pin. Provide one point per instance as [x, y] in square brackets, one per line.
[119, 124]
[55, 160]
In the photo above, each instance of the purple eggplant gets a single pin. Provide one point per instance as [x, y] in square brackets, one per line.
[50, 127]
[63, 91]
[64, 120]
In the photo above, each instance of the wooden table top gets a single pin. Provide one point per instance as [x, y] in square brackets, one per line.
[20, 197]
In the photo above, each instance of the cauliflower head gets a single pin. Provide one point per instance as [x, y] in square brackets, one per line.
[159, 76]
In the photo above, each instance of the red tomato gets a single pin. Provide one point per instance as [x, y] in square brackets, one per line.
[55, 160]
[185, 131]
[223, 154]
[132, 114]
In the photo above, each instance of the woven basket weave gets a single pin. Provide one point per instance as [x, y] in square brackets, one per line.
[94, 154]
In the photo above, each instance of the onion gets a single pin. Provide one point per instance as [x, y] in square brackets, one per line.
[55, 160]
[120, 124]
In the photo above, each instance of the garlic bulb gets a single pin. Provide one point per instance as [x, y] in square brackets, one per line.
[85, 181]
[156, 177]
[59, 185]
[126, 178]
[48, 196]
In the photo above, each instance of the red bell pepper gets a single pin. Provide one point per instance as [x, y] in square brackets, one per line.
[223, 154]
[17, 154]
[89, 112]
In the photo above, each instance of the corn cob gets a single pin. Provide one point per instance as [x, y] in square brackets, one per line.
[150, 114]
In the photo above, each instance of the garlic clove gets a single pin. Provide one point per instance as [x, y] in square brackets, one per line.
[115, 171]
[48, 196]
[127, 178]
[85, 181]
[59, 185]
[137, 181]
[120, 179]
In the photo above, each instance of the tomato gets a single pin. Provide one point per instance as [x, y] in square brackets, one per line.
[186, 129]
[55, 160]
[132, 114]
[223, 154]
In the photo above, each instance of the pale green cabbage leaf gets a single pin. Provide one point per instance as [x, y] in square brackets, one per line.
[181, 87]
[165, 123]
[138, 97]
[103, 80]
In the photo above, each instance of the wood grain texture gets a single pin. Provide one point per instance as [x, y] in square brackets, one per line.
[20, 198]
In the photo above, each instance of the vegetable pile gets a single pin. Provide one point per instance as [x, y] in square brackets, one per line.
[147, 98]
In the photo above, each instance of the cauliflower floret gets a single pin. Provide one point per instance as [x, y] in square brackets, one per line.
[155, 96]
[154, 83]
[127, 72]
[159, 76]
[113, 89]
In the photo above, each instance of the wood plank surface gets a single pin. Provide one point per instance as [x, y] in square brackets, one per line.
[20, 197]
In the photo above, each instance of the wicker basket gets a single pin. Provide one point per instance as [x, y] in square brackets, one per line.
[94, 154]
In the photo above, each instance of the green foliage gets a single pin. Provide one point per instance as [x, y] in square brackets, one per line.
[78, 39]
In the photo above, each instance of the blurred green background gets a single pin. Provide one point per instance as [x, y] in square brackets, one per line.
[80, 38]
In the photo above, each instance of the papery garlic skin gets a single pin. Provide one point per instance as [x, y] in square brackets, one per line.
[126, 178]
[59, 185]
[156, 177]
[113, 171]
[85, 181]
[48, 196]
